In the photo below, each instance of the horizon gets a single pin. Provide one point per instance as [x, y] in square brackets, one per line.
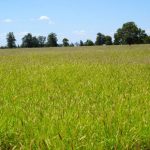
[68, 19]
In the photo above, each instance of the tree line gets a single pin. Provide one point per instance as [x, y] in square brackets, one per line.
[129, 33]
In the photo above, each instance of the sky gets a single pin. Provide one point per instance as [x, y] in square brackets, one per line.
[74, 19]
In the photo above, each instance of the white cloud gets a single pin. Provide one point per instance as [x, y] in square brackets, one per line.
[7, 20]
[47, 19]
[79, 32]
[44, 18]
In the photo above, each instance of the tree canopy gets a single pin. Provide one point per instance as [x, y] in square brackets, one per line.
[52, 40]
[41, 40]
[129, 34]
[65, 42]
[89, 43]
[100, 39]
[27, 41]
[11, 40]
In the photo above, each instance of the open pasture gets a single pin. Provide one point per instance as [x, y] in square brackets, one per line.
[82, 98]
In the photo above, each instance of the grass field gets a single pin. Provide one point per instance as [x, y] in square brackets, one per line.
[88, 98]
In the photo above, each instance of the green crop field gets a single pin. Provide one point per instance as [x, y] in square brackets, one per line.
[86, 98]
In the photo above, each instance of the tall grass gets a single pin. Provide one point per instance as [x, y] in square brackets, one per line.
[75, 98]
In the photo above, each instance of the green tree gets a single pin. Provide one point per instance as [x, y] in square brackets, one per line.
[108, 40]
[129, 34]
[52, 40]
[65, 42]
[41, 40]
[35, 42]
[71, 45]
[118, 39]
[141, 36]
[11, 40]
[81, 43]
[27, 41]
[147, 40]
[100, 39]
[89, 43]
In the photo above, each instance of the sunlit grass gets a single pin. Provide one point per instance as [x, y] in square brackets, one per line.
[75, 98]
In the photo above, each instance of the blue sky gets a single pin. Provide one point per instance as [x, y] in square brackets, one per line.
[74, 19]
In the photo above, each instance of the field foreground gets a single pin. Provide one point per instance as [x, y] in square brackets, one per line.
[90, 98]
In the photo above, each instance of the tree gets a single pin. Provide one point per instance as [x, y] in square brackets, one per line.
[35, 42]
[11, 40]
[27, 41]
[142, 36]
[118, 37]
[41, 40]
[52, 40]
[100, 39]
[129, 34]
[76, 44]
[65, 42]
[89, 43]
[147, 40]
[71, 45]
[81, 43]
[108, 40]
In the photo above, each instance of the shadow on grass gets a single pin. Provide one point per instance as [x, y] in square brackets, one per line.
[10, 141]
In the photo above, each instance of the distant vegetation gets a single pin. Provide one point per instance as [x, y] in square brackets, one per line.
[129, 33]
